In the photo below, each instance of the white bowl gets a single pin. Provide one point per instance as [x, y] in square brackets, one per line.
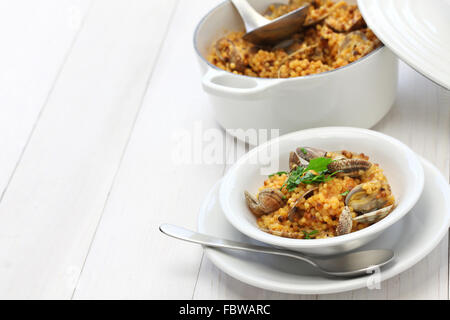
[400, 164]
[356, 95]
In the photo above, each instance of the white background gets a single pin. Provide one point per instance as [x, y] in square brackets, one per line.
[91, 92]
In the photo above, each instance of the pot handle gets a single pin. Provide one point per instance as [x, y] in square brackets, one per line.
[220, 82]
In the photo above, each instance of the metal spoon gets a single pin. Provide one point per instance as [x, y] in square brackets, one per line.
[263, 31]
[347, 265]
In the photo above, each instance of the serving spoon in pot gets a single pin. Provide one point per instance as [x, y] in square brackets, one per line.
[263, 31]
[346, 265]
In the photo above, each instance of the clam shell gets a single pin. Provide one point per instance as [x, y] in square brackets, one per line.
[364, 205]
[345, 222]
[295, 161]
[294, 212]
[374, 216]
[309, 153]
[350, 167]
[303, 155]
[269, 200]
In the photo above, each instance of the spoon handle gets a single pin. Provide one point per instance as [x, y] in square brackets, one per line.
[252, 19]
[206, 240]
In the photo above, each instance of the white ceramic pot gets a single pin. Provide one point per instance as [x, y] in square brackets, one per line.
[356, 95]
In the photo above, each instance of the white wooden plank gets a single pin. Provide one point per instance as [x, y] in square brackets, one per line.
[36, 37]
[215, 284]
[52, 206]
[129, 257]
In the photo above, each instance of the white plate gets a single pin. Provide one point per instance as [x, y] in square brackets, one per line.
[412, 238]
[417, 31]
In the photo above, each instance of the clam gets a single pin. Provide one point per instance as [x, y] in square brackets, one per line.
[295, 213]
[324, 14]
[268, 201]
[296, 160]
[357, 23]
[309, 153]
[345, 222]
[303, 155]
[334, 21]
[349, 167]
[361, 202]
[370, 207]
[354, 44]
[374, 216]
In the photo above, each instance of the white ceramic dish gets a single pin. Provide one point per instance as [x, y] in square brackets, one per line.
[400, 164]
[416, 30]
[359, 94]
[412, 239]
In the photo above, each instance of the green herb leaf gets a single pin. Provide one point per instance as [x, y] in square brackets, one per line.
[319, 164]
[345, 193]
[316, 172]
[294, 179]
[309, 234]
[304, 151]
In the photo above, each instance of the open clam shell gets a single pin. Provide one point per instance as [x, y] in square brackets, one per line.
[295, 160]
[295, 213]
[374, 216]
[309, 153]
[362, 202]
[303, 155]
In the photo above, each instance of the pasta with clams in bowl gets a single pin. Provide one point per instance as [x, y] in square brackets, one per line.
[325, 194]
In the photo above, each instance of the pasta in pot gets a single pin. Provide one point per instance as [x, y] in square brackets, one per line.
[334, 35]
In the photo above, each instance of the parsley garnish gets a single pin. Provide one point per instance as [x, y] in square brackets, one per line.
[316, 172]
[345, 193]
[319, 164]
[304, 151]
[309, 234]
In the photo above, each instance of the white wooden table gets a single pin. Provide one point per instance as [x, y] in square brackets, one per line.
[91, 93]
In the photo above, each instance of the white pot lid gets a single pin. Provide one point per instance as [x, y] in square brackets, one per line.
[417, 31]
